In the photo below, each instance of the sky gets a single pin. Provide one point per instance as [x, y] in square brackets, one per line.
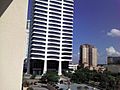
[97, 22]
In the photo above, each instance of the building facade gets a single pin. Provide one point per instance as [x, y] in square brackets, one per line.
[73, 67]
[113, 60]
[113, 64]
[13, 16]
[50, 38]
[88, 55]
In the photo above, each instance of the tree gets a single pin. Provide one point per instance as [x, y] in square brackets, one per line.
[50, 77]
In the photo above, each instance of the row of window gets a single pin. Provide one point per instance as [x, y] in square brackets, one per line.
[42, 43]
[50, 48]
[41, 25]
[52, 52]
[45, 11]
[39, 31]
[51, 29]
[50, 40]
[52, 43]
[39, 37]
[53, 7]
[54, 57]
[56, 6]
[65, 17]
[55, 35]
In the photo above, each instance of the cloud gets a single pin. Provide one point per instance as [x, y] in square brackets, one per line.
[114, 33]
[112, 52]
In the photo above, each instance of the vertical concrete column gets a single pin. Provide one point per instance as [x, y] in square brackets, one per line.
[45, 67]
[60, 68]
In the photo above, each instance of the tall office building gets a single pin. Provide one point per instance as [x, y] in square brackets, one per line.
[88, 55]
[50, 38]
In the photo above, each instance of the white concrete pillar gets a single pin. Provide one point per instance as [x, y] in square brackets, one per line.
[45, 67]
[60, 68]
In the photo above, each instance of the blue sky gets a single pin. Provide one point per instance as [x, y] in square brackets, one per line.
[97, 22]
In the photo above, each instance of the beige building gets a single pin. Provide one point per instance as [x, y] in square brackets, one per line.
[88, 55]
[94, 57]
[12, 42]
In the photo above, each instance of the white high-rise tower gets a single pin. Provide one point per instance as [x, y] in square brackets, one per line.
[50, 39]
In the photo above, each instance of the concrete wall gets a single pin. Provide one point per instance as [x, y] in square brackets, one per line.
[12, 43]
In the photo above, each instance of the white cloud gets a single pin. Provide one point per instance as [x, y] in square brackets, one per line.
[114, 33]
[112, 52]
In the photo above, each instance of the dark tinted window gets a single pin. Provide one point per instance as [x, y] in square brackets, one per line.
[67, 42]
[56, 2]
[55, 10]
[56, 29]
[55, 13]
[39, 56]
[56, 25]
[55, 57]
[36, 30]
[57, 53]
[55, 6]
[41, 3]
[66, 58]
[54, 32]
[41, 43]
[42, 19]
[54, 17]
[53, 44]
[53, 48]
[52, 40]
[37, 26]
[36, 51]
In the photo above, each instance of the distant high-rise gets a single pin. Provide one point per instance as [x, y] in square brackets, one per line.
[113, 60]
[88, 55]
[50, 38]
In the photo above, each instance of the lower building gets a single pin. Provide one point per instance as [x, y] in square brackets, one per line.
[73, 67]
[113, 60]
[113, 64]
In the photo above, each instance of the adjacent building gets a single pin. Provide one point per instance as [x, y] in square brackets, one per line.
[113, 60]
[13, 16]
[72, 67]
[50, 36]
[88, 55]
[113, 64]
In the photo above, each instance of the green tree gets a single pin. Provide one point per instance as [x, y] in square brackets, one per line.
[50, 77]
